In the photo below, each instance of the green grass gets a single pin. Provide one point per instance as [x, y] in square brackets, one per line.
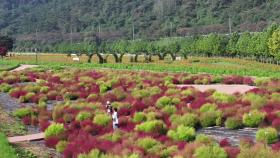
[6, 151]
[7, 65]
[228, 67]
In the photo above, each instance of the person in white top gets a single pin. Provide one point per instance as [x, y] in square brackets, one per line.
[115, 118]
[109, 107]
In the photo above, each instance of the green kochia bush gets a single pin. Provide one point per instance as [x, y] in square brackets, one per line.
[139, 117]
[83, 115]
[187, 119]
[154, 126]
[169, 109]
[182, 133]
[4, 87]
[223, 98]
[213, 151]
[167, 101]
[148, 143]
[22, 112]
[253, 118]
[256, 100]
[6, 151]
[208, 107]
[70, 96]
[61, 145]
[268, 135]
[233, 123]
[102, 119]
[27, 97]
[210, 118]
[55, 129]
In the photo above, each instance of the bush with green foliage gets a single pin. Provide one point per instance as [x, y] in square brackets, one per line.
[113, 137]
[202, 138]
[187, 92]
[169, 109]
[154, 126]
[22, 112]
[210, 118]
[233, 123]
[182, 133]
[223, 98]
[83, 115]
[139, 117]
[147, 143]
[44, 89]
[166, 153]
[55, 129]
[268, 135]
[70, 96]
[167, 101]
[102, 119]
[212, 151]
[275, 97]
[188, 119]
[253, 118]
[4, 87]
[6, 151]
[27, 97]
[61, 145]
[208, 107]
[257, 101]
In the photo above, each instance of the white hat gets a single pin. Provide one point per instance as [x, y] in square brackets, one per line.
[108, 102]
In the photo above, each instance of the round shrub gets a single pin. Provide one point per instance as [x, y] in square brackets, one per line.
[182, 133]
[233, 123]
[202, 138]
[208, 107]
[188, 119]
[55, 129]
[169, 109]
[256, 100]
[44, 89]
[213, 151]
[187, 92]
[210, 118]
[147, 143]
[4, 87]
[223, 98]
[83, 115]
[268, 135]
[27, 97]
[165, 101]
[70, 96]
[154, 126]
[253, 118]
[22, 112]
[60, 146]
[139, 117]
[102, 119]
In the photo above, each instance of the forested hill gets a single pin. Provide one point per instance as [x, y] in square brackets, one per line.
[150, 18]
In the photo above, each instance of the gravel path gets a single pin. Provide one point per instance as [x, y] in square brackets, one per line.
[23, 67]
[228, 89]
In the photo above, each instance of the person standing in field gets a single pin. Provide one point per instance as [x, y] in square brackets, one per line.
[109, 108]
[115, 118]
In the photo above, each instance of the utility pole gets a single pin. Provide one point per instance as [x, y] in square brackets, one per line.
[36, 44]
[133, 32]
[229, 25]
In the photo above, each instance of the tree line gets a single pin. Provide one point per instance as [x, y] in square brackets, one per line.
[260, 45]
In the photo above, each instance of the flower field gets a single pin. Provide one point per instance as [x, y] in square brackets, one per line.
[156, 118]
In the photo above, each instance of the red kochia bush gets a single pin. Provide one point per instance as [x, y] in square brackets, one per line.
[232, 152]
[276, 123]
[276, 146]
[84, 143]
[224, 143]
[44, 124]
[51, 142]
[26, 120]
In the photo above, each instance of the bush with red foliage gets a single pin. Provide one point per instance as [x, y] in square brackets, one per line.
[224, 143]
[3, 51]
[276, 123]
[44, 124]
[233, 80]
[276, 146]
[232, 152]
[26, 120]
[51, 142]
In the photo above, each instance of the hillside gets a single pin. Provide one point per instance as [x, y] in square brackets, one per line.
[56, 19]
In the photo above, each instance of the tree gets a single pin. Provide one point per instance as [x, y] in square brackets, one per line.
[274, 44]
[231, 48]
[6, 42]
[3, 52]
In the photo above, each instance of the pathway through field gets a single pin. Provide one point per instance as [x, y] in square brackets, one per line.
[23, 67]
[228, 89]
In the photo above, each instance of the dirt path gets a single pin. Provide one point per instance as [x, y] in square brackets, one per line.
[31, 137]
[23, 67]
[228, 89]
